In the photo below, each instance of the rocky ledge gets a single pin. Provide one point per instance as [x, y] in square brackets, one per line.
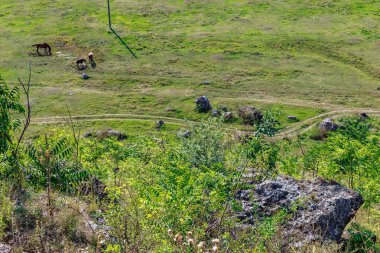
[320, 209]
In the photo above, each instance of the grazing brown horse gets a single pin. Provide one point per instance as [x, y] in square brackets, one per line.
[44, 46]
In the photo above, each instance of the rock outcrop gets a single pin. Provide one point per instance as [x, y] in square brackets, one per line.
[160, 124]
[228, 116]
[216, 113]
[250, 114]
[106, 134]
[328, 125]
[320, 209]
[203, 104]
[5, 248]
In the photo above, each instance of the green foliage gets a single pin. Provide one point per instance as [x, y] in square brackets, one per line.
[355, 128]
[350, 155]
[316, 134]
[204, 147]
[268, 123]
[361, 240]
[6, 207]
[347, 157]
[9, 105]
[127, 221]
[51, 161]
[262, 156]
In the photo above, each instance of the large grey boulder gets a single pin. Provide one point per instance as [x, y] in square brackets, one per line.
[203, 104]
[250, 114]
[215, 113]
[111, 133]
[328, 125]
[320, 209]
[5, 248]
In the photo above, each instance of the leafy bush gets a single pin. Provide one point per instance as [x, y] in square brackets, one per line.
[52, 164]
[267, 125]
[361, 240]
[6, 208]
[204, 147]
[9, 104]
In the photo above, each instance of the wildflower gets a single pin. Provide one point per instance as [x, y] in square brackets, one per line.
[191, 242]
[189, 235]
[215, 241]
[201, 245]
[178, 238]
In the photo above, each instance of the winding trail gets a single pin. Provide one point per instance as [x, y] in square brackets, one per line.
[293, 130]
[305, 125]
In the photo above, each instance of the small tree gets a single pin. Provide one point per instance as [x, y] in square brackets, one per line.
[204, 146]
[268, 123]
[9, 124]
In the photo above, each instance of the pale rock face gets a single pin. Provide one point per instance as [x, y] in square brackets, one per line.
[5, 248]
[322, 208]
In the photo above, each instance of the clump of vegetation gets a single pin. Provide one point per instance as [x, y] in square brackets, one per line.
[361, 240]
[61, 193]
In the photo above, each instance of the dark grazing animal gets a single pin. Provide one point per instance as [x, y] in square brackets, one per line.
[44, 46]
[81, 61]
[81, 64]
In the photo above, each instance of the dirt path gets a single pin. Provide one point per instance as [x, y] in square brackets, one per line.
[295, 129]
[305, 125]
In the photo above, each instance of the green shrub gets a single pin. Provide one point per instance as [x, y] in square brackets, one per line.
[361, 240]
[6, 207]
[205, 146]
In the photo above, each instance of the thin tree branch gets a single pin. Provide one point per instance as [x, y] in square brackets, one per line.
[76, 137]
[26, 88]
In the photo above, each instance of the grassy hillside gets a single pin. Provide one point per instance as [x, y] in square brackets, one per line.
[313, 59]
[300, 57]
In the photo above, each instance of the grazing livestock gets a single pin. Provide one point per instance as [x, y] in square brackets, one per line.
[81, 64]
[91, 57]
[44, 46]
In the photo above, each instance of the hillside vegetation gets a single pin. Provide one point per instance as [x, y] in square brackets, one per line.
[303, 55]
[86, 165]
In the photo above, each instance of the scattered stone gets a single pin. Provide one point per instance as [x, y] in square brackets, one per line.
[250, 114]
[170, 109]
[328, 125]
[243, 136]
[184, 133]
[228, 116]
[160, 124]
[85, 76]
[223, 108]
[320, 209]
[87, 134]
[364, 115]
[216, 113]
[292, 118]
[187, 134]
[111, 133]
[203, 104]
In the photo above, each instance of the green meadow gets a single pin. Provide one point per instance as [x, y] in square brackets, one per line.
[299, 57]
